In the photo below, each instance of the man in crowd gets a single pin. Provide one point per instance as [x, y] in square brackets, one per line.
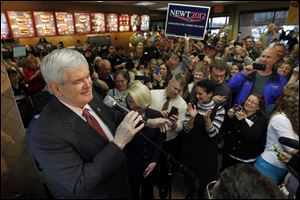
[266, 82]
[163, 100]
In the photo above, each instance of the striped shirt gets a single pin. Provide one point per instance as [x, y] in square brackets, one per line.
[217, 121]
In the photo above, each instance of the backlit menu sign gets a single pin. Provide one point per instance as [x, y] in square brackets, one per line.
[82, 23]
[44, 23]
[135, 22]
[123, 22]
[65, 23]
[4, 27]
[112, 22]
[21, 23]
[145, 22]
[98, 22]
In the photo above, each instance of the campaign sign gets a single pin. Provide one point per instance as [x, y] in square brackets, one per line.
[186, 19]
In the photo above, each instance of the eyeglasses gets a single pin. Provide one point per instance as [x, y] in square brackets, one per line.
[209, 188]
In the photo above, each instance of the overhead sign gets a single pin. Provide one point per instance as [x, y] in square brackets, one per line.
[186, 19]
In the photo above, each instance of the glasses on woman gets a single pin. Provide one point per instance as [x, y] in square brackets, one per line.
[209, 188]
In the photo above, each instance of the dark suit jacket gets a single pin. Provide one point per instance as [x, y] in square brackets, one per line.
[79, 162]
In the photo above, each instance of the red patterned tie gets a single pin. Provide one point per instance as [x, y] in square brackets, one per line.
[93, 122]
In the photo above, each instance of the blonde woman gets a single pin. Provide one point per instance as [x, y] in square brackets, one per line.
[142, 156]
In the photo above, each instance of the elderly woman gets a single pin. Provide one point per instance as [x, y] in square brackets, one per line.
[119, 93]
[142, 156]
[245, 129]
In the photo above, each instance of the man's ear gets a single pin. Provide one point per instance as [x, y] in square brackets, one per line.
[56, 90]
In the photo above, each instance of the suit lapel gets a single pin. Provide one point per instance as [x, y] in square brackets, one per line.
[78, 125]
[105, 114]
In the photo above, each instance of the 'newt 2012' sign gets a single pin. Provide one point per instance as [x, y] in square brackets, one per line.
[187, 19]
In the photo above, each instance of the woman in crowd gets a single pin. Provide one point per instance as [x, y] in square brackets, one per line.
[244, 130]
[160, 80]
[234, 69]
[285, 69]
[33, 76]
[119, 93]
[284, 122]
[22, 96]
[199, 145]
[142, 156]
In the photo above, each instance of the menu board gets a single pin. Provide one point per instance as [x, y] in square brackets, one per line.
[123, 22]
[4, 27]
[135, 22]
[82, 23]
[64, 23]
[145, 22]
[21, 23]
[44, 23]
[112, 22]
[98, 22]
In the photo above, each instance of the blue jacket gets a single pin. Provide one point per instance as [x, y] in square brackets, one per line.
[243, 86]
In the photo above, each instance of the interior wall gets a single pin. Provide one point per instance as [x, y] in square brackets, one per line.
[19, 174]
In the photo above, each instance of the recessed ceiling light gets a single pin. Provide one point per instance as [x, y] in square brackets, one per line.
[217, 2]
[164, 8]
[144, 3]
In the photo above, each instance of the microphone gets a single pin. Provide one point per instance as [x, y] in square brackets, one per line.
[289, 142]
[111, 102]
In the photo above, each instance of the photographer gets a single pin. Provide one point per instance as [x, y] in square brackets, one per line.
[263, 81]
[244, 130]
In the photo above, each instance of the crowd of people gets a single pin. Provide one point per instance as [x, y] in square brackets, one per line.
[233, 99]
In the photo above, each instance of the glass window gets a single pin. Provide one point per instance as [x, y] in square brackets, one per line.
[280, 17]
[218, 22]
[256, 22]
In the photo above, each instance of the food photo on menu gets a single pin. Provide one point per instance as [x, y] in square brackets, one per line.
[21, 23]
[64, 21]
[44, 23]
[82, 21]
[98, 22]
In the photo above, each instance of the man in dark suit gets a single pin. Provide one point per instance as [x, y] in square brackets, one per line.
[80, 162]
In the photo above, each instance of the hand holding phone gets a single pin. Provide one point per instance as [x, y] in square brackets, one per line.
[258, 66]
[276, 148]
[173, 111]
[157, 69]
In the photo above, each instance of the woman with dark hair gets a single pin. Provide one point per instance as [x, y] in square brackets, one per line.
[119, 93]
[199, 145]
[244, 130]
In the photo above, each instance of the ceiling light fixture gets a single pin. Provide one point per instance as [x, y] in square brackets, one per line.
[164, 8]
[144, 3]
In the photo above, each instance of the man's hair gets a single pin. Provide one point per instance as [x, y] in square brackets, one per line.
[53, 65]
[180, 78]
[243, 181]
[219, 64]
